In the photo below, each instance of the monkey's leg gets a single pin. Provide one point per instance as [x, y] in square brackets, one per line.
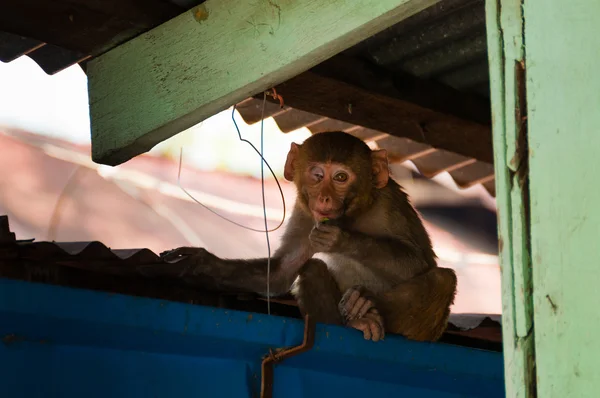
[318, 293]
[419, 308]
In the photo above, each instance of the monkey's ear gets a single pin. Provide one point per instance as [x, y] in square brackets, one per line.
[290, 162]
[381, 170]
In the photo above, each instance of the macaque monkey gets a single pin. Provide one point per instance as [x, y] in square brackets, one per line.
[354, 251]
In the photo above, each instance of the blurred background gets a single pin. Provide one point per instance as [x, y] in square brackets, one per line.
[51, 189]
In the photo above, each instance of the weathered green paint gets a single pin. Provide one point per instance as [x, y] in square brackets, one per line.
[207, 59]
[511, 19]
[505, 51]
[563, 85]
[554, 283]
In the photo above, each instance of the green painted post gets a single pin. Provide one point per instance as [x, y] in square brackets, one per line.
[509, 110]
[544, 57]
[563, 94]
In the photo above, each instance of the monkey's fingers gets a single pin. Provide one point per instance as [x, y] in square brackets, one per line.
[363, 326]
[178, 252]
[354, 304]
[319, 247]
[321, 240]
[348, 302]
[371, 327]
[328, 228]
[377, 328]
[358, 304]
[364, 308]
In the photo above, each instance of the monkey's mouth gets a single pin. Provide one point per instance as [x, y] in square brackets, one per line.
[324, 216]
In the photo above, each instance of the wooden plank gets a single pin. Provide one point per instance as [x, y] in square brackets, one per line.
[339, 100]
[563, 96]
[215, 55]
[504, 50]
[84, 26]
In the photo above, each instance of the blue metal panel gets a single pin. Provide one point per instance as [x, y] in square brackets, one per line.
[64, 342]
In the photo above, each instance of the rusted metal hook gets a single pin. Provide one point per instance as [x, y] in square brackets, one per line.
[273, 93]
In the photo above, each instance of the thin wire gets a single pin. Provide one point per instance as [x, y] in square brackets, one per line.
[262, 179]
[266, 230]
[68, 188]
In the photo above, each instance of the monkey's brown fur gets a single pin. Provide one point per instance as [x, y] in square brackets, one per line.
[419, 308]
[377, 241]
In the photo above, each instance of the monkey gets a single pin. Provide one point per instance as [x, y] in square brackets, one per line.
[354, 252]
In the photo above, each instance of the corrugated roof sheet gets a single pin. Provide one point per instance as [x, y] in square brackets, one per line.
[52, 59]
[446, 42]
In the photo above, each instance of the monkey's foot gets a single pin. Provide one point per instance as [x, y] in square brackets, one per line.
[355, 303]
[371, 325]
[359, 312]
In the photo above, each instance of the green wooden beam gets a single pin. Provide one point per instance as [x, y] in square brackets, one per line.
[215, 55]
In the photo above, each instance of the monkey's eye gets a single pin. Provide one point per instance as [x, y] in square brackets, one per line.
[317, 173]
[341, 177]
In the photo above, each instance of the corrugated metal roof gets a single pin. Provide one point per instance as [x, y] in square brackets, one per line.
[59, 34]
[446, 42]
[52, 59]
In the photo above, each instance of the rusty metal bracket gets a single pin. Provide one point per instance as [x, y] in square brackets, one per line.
[273, 93]
[274, 356]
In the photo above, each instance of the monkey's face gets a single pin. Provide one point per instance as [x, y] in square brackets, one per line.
[326, 187]
[336, 174]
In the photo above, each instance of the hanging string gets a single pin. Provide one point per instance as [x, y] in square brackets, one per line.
[262, 160]
[262, 178]
[68, 188]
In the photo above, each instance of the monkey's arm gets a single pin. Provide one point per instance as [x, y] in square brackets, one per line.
[199, 267]
[202, 268]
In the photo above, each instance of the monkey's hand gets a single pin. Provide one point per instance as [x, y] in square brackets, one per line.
[359, 312]
[190, 261]
[371, 325]
[325, 238]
